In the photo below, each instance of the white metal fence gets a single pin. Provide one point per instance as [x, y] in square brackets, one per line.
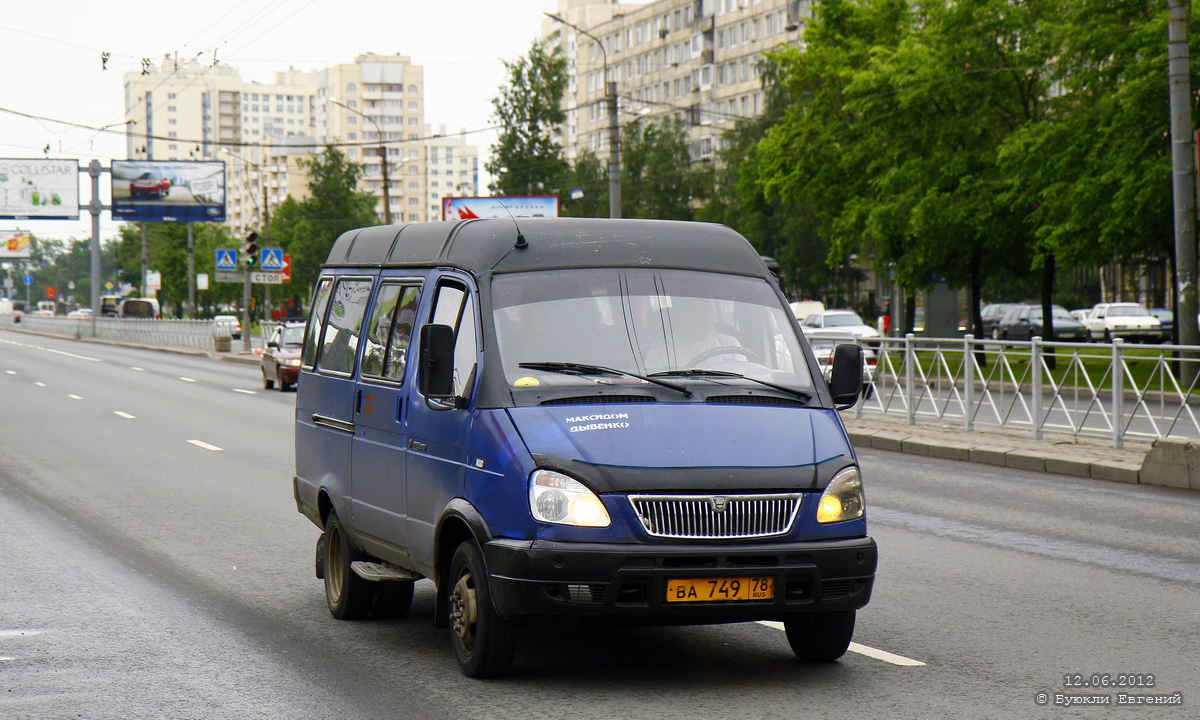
[198, 334]
[1118, 391]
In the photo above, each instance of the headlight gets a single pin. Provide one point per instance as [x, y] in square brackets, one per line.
[556, 498]
[843, 499]
[295, 362]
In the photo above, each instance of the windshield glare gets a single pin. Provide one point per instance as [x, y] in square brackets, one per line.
[643, 321]
[293, 336]
[1127, 312]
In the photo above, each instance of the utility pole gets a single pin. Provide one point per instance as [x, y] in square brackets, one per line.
[614, 126]
[383, 160]
[191, 272]
[1184, 180]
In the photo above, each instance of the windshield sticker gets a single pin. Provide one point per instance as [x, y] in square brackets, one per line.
[611, 421]
[526, 382]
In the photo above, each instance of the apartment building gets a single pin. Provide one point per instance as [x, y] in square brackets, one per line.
[692, 60]
[453, 169]
[371, 108]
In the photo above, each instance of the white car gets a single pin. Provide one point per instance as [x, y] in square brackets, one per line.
[227, 325]
[1128, 321]
[837, 323]
[823, 348]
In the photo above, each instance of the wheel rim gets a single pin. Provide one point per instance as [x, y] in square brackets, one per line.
[335, 566]
[464, 612]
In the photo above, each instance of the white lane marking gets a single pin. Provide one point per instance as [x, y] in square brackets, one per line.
[125, 415]
[74, 397]
[11, 372]
[67, 354]
[6, 659]
[245, 392]
[187, 379]
[19, 633]
[206, 446]
[40, 384]
[136, 369]
[870, 652]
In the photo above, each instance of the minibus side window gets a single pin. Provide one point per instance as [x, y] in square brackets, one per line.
[346, 310]
[454, 308]
[315, 320]
[390, 330]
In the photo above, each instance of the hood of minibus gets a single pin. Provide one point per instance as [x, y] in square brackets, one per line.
[686, 446]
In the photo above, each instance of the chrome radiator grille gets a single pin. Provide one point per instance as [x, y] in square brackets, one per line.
[716, 516]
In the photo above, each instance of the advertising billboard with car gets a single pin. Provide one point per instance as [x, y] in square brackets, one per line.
[39, 189]
[168, 191]
[467, 208]
[15, 244]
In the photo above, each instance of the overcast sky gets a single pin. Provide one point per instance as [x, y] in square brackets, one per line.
[50, 62]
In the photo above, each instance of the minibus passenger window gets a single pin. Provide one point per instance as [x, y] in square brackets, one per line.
[346, 310]
[315, 320]
[402, 328]
[378, 329]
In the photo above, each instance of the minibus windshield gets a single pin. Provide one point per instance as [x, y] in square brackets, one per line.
[665, 323]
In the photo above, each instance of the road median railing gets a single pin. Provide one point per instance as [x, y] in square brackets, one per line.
[1112, 390]
[193, 334]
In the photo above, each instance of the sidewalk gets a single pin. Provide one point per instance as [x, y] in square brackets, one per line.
[1163, 462]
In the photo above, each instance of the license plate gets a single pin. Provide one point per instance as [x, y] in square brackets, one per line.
[720, 589]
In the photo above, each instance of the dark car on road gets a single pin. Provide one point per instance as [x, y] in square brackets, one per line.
[991, 314]
[1167, 319]
[1024, 322]
[281, 358]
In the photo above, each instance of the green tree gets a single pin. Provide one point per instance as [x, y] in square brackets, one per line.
[527, 159]
[589, 176]
[308, 229]
[658, 178]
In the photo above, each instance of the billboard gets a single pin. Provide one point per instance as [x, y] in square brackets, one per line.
[32, 189]
[168, 191]
[15, 244]
[465, 208]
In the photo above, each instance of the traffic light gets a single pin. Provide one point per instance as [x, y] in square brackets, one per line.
[250, 250]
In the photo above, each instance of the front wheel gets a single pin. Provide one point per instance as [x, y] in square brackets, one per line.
[483, 641]
[268, 383]
[820, 636]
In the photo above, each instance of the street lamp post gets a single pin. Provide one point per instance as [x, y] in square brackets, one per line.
[383, 160]
[614, 130]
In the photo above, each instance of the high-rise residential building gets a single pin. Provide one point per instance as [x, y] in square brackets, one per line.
[263, 131]
[453, 169]
[693, 60]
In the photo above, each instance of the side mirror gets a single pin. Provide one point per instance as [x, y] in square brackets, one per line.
[845, 381]
[272, 344]
[437, 362]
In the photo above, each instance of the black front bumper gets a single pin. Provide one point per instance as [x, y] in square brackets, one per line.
[630, 581]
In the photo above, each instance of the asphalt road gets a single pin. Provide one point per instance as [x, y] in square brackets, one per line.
[154, 565]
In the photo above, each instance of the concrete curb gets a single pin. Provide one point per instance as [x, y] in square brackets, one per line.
[1170, 463]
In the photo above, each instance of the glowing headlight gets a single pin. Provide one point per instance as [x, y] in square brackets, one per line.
[843, 499]
[294, 362]
[556, 498]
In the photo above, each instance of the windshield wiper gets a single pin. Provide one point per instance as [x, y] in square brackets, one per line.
[571, 368]
[700, 372]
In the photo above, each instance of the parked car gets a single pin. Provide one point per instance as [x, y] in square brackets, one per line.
[82, 314]
[1128, 321]
[140, 308]
[153, 184]
[803, 308]
[1166, 318]
[1024, 322]
[281, 358]
[992, 313]
[1080, 314]
[227, 325]
[844, 323]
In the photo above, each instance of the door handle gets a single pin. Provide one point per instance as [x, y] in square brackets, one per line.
[330, 422]
[418, 446]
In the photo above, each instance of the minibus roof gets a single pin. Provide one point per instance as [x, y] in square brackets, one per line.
[490, 246]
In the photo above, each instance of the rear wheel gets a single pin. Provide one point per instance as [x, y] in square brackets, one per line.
[349, 597]
[820, 636]
[483, 641]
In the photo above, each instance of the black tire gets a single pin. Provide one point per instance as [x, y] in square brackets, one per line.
[1108, 337]
[483, 641]
[349, 597]
[820, 637]
[267, 382]
[867, 390]
[393, 599]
